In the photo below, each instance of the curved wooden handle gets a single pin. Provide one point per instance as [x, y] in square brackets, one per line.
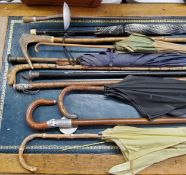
[31, 168]
[32, 107]
[68, 89]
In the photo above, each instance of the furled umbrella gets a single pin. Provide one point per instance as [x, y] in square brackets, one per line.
[110, 58]
[119, 30]
[144, 44]
[141, 147]
[134, 43]
[151, 96]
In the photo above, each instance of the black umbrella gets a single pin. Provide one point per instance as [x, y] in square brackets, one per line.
[151, 96]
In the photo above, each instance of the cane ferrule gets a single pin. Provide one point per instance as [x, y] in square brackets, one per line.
[61, 123]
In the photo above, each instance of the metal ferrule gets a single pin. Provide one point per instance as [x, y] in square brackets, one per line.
[22, 87]
[33, 75]
[62, 123]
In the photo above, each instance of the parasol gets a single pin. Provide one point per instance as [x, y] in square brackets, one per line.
[141, 147]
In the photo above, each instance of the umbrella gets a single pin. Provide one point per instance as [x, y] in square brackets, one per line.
[133, 43]
[151, 96]
[141, 147]
[145, 29]
[144, 44]
[110, 58]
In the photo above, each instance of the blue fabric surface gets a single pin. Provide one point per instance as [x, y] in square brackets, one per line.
[13, 104]
[109, 58]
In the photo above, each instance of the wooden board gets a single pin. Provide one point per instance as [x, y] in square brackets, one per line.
[102, 10]
[87, 164]
[3, 28]
[84, 164]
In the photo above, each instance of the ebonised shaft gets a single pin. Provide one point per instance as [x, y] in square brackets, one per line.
[101, 74]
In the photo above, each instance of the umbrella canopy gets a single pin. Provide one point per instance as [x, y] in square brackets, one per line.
[110, 58]
[151, 96]
[144, 44]
[145, 29]
[143, 147]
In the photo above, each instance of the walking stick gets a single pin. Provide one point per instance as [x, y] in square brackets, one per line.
[11, 77]
[66, 123]
[26, 39]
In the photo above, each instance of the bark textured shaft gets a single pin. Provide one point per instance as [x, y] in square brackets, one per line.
[21, 60]
[28, 167]
[54, 85]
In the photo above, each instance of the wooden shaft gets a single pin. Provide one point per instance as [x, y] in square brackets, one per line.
[49, 85]
[73, 45]
[100, 39]
[171, 39]
[18, 60]
[28, 19]
[11, 77]
[88, 40]
[129, 121]
[114, 39]
[93, 122]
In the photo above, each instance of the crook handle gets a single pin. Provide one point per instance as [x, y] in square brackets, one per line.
[29, 117]
[31, 168]
[68, 89]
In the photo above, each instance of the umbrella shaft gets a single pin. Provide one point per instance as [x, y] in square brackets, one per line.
[18, 60]
[103, 74]
[128, 121]
[67, 33]
[51, 85]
